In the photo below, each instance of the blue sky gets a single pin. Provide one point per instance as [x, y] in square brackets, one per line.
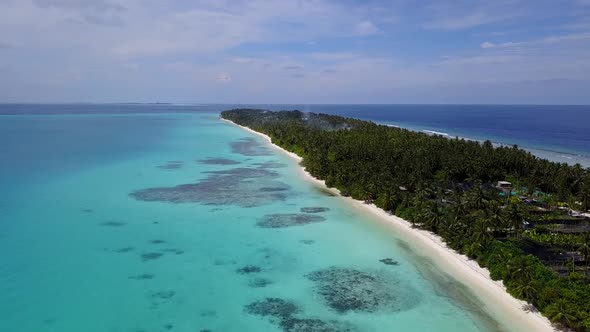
[301, 51]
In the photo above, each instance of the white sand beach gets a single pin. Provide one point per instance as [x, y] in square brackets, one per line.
[499, 303]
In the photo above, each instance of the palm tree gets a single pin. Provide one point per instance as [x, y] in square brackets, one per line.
[459, 210]
[388, 200]
[476, 197]
[519, 269]
[559, 312]
[419, 214]
[515, 217]
[502, 255]
[527, 290]
[454, 230]
[584, 194]
[584, 248]
[433, 218]
[418, 204]
[495, 215]
[481, 233]
[368, 195]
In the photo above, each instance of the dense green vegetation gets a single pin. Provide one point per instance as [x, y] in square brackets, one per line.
[447, 186]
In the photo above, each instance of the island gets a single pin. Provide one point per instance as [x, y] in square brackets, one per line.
[523, 218]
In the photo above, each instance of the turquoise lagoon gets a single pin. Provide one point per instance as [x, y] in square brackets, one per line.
[182, 222]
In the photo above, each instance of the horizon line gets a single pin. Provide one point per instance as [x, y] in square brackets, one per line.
[295, 104]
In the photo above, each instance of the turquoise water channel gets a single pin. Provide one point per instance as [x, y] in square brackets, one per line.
[182, 222]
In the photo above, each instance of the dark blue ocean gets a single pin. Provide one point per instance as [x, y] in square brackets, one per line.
[559, 133]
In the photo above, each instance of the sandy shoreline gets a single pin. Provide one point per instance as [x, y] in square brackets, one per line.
[493, 293]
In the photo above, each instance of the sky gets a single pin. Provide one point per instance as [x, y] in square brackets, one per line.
[300, 51]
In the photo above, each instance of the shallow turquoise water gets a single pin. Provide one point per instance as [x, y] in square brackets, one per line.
[82, 254]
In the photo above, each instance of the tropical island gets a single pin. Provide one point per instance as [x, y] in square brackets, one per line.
[523, 218]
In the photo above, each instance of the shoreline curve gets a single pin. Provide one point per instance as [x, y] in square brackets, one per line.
[490, 292]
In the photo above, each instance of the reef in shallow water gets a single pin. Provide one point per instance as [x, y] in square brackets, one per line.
[259, 283]
[294, 324]
[175, 251]
[113, 223]
[145, 276]
[218, 161]
[389, 261]
[246, 173]
[163, 295]
[124, 250]
[286, 314]
[249, 269]
[350, 290]
[243, 186]
[272, 306]
[281, 220]
[150, 256]
[161, 298]
[271, 164]
[272, 189]
[249, 147]
[220, 262]
[314, 209]
[171, 165]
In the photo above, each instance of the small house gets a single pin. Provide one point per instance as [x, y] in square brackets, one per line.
[505, 186]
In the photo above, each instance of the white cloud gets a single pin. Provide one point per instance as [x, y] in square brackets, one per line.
[480, 60]
[457, 15]
[149, 47]
[243, 60]
[99, 5]
[131, 65]
[223, 78]
[138, 28]
[579, 25]
[487, 45]
[138, 49]
[98, 12]
[292, 67]
[366, 28]
[456, 23]
[179, 66]
[572, 37]
[332, 56]
[539, 42]
[198, 31]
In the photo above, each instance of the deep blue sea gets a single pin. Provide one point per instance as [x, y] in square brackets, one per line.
[141, 218]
